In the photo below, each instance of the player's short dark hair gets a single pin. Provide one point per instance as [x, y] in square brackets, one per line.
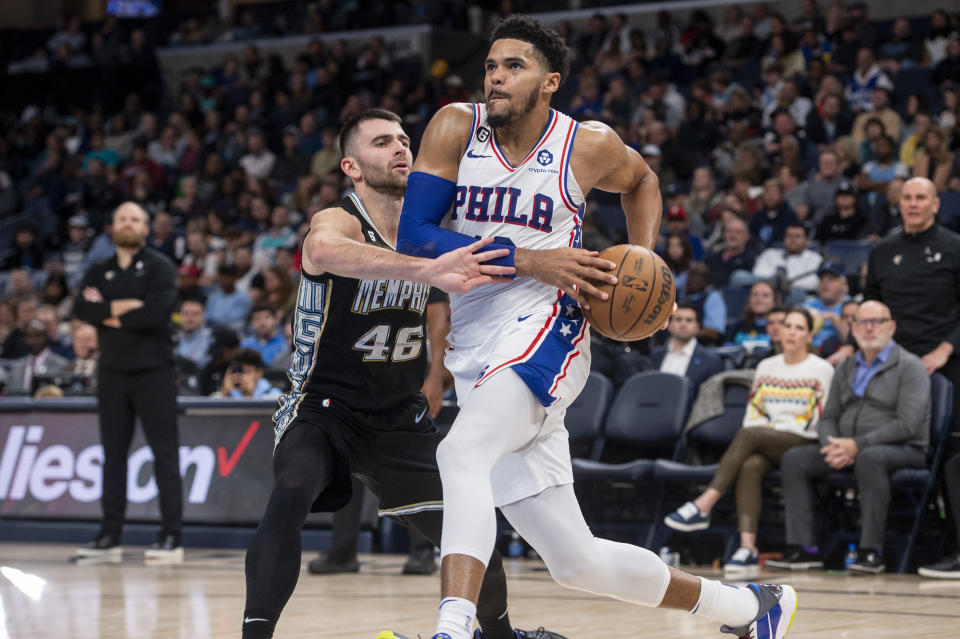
[349, 129]
[550, 47]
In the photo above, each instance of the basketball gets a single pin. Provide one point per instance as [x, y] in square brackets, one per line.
[641, 300]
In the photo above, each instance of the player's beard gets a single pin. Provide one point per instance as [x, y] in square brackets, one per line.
[503, 119]
[127, 239]
[383, 179]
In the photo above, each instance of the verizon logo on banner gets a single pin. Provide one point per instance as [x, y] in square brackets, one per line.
[51, 467]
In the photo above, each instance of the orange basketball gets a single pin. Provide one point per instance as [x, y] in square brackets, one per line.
[641, 300]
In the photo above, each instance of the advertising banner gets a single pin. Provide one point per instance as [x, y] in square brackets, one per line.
[51, 461]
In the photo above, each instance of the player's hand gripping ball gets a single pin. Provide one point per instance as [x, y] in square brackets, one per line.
[641, 300]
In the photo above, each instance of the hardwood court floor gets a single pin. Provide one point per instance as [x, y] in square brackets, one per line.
[45, 595]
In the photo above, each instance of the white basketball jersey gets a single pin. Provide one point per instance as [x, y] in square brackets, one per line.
[536, 204]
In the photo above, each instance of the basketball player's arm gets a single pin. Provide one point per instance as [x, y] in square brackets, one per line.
[335, 244]
[431, 188]
[601, 160]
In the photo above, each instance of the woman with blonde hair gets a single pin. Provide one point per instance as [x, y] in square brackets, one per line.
[934, 160]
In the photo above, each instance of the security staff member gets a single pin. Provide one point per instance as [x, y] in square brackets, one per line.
[916, 273]
[129, 298]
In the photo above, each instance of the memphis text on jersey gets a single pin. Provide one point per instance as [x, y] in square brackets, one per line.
[377, 295]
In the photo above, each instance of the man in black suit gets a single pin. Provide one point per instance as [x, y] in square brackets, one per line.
[682, 354]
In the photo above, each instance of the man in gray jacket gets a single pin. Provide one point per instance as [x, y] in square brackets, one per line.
[877, 420]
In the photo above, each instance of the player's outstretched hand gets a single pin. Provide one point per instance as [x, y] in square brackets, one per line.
[571, 269]
[463, 270]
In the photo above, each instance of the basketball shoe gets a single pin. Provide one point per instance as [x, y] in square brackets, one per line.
[778, 607]
[104, 545]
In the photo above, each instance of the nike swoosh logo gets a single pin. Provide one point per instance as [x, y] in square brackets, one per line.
[525, 317]
[420, 416]
[251, 619]
[470, 154]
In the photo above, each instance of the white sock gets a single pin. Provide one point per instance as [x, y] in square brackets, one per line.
[731, 605]
[456, 618]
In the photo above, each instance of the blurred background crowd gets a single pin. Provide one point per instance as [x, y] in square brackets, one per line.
[781, 143]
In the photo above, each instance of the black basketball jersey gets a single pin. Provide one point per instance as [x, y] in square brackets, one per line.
[360, 342]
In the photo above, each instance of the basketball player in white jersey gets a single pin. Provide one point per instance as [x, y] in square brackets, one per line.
[516, 170]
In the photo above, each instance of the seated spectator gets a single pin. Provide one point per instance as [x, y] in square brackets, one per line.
[826, 308]
[733, 255]
[798, 263]
[824, 185]
[86, 352]
[866, 77]
[935, 159]
[769, 224]
[27, 250]
[678, 255]
[268, 339]
[775, 333]
[751, 330]
[875, 420]
[876, 174]
[832, 121]
[948, 69]
[279, 235]
[788, 395]
[58, 343]
[245, 377]
[949, 566]
[678, 223]
[842, 345]
[901, 49]
[795, 190]
[915, 139]
[682, 354]
[227, 305]
[882, 110]
[193, 338]
[710, 305]
[848, 220]
[39, 361]
[259, 160]
[15, 346]
[885, 214]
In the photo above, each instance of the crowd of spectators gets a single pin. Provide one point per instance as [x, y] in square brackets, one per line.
[773, 137]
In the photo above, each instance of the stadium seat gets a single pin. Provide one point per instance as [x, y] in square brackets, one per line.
[731, 356]
[854, 253]
[584, 418]
[736, 299]
[645, 420]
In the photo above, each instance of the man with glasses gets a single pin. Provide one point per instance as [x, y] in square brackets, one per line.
[876, 420]
[682, 354]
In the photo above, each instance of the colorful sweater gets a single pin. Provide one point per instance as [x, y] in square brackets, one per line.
[789, 397]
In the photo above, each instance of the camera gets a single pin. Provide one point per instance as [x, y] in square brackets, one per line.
[236, 367]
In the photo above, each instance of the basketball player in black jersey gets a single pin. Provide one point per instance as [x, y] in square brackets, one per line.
[357, 368]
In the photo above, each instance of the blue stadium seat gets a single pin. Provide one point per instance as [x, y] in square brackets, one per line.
[645, 420]
[854, 253]
[584, 418]
[736, 299]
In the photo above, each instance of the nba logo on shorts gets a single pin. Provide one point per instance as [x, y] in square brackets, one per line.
[545, 157]
[326, 403]
[483, 133]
